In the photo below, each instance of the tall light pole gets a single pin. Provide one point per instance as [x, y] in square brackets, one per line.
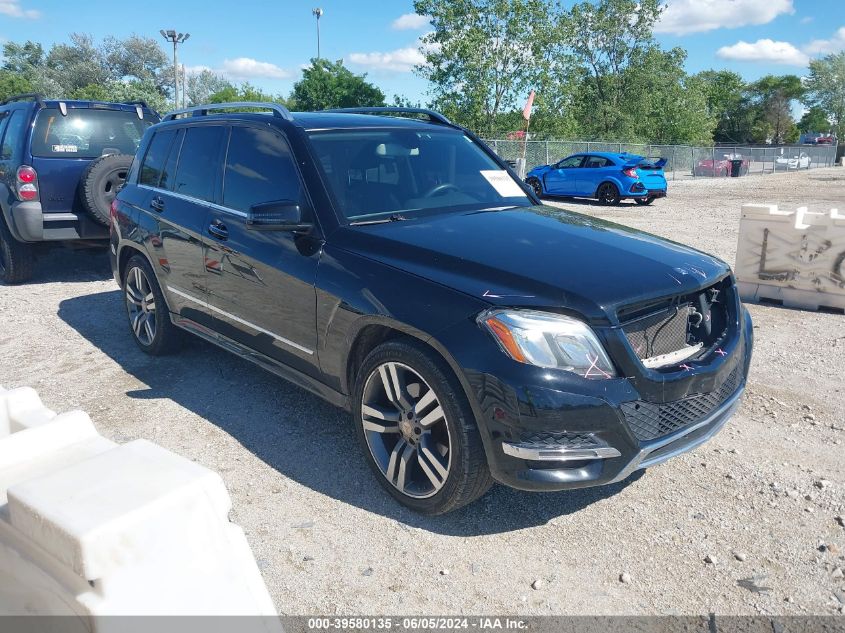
[177, 38]
[318, 12]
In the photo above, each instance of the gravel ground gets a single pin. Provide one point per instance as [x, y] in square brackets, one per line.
[745, 524]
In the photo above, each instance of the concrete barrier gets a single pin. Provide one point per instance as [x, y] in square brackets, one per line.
[90, 528]
[793, 258]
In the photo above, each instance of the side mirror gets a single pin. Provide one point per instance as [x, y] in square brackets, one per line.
[281, 215]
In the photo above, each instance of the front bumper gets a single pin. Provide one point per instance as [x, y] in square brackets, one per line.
[544, 431]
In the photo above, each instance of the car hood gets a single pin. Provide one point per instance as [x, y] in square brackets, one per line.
[538, 256]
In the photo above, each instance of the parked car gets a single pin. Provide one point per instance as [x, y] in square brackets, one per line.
[603, 175]
[721, 166]
[61, 164]
[798, 161]
[397, 267]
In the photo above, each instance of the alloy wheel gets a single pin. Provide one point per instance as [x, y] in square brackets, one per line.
[406, 430]
[608, 194]
[140, 302]
[538, 188]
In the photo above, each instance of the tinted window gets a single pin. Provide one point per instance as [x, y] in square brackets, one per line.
[156, 156]
[3, 122]
[169, 170]
[597, 161]
[199, 162]
[572, 161]
[87, 133]
[259, 168]
[12, 137]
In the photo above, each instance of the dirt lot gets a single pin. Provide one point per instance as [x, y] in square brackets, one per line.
[746, 524]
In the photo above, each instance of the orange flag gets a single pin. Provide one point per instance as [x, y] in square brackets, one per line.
[526, 111]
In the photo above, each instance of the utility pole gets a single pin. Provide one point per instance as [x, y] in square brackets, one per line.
[184, 87]
[176, 38]
[318, 12]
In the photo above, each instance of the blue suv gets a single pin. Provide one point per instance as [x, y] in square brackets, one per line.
[61, 165]
[603, 175]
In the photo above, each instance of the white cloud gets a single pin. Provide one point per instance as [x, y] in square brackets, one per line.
[248, 68]
[401, 60]
[410, 22]
[696, 16]
[824, 47]
[807, 19]
[13, 9]
[764, 50]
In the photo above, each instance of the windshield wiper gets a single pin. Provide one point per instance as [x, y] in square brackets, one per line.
[395, 217]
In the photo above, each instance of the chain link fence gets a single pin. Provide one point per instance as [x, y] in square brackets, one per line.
[683, 161]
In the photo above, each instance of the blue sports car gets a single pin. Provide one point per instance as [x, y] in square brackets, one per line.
[603, 175]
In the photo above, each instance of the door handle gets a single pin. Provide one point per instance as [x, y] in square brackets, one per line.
[157, 204]
[218, 229]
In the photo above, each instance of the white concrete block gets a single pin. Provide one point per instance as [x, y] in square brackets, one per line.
[21, 408]
[91, 528]
[795, 257]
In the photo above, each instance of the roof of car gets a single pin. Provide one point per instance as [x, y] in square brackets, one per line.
[346, 120]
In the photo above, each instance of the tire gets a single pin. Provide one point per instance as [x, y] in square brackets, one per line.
[149, 318]
[101, 182]
[608, 194]
[435, 435]
[17, 259]
[536, 186]
[644, 201]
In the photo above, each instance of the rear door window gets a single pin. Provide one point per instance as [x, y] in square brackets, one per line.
[153, 165]
[12, 136]
[199, 162]
[259, 168]
[87, 133]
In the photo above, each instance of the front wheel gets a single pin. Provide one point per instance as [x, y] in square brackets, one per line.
[644, 201]
[536, 186]
[417, 429]
[608, 194]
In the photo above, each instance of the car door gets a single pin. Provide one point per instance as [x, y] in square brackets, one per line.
[182, 173]
[591, 174]
[561, 180]
[261, 282]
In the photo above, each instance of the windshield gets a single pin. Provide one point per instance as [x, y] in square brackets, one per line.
[396, 171]
[87, 133]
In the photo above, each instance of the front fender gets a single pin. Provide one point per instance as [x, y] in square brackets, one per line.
[354, 292]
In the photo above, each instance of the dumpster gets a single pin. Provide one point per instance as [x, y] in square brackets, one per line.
[736, 167]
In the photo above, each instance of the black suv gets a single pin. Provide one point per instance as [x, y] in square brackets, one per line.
[61, 163]
[388, 261]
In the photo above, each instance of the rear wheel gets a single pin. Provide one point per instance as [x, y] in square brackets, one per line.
[644, 201]
[417, 429]
[608, 194]
[101, 182]
[149, 320]
[17, 259]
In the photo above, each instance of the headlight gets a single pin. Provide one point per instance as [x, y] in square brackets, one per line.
[549, 340]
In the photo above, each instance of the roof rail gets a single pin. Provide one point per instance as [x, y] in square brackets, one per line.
[433, 116]
[35, 96]
[139, 102]
[203, 110]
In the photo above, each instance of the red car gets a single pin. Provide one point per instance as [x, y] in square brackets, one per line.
[722, 166]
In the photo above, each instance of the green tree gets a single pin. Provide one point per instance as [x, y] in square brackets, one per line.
[610, 41]
[326, 84]
[727, 103]
[670, 107]
[484, 56]
[22, 59]
[814, 120]
[13, 84]
[772, 96]
[825, 89]
[204, 84]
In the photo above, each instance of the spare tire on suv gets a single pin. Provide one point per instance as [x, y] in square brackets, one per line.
[101, 182]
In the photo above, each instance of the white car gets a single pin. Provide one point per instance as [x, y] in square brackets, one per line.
[802, 161]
